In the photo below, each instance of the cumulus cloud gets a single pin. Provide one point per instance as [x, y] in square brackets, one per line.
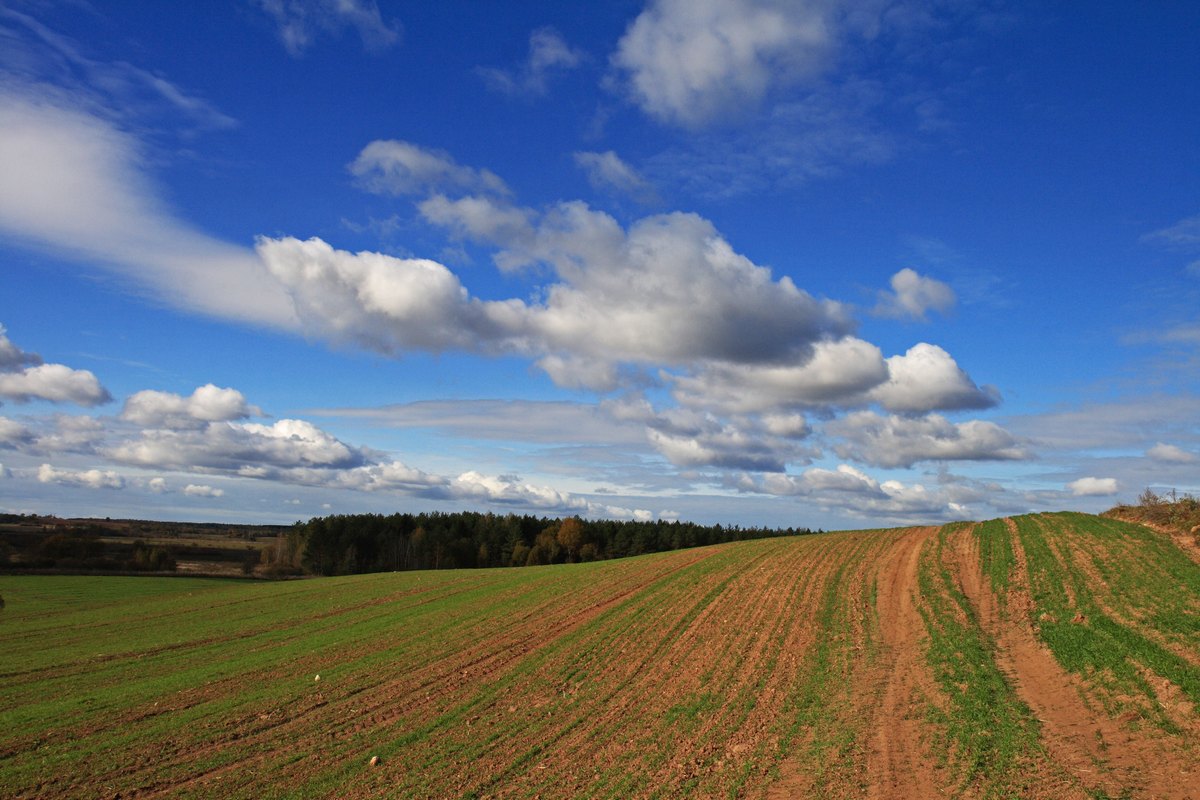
[898, 441]
[689, 62]
[158, 485]
[607, 172]
[849, 490]
[689, 438]
[238, 448]
[386, 303]
[208, 403]
[1171, 454]
[299, 22]
[913, 296]
[549, 54]
[90, 479]
[24, 377]
[201, 490]
[71, 434]
[926, 378]
[837, 371]
[76, 183]
[55, 383]
[13, 358]
[1093, 487]
[669, 290]
[13, 433]
[391, 166]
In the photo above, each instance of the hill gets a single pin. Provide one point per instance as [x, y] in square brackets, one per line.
[1047, 656]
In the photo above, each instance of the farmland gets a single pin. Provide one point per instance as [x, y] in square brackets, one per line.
[1051, 656]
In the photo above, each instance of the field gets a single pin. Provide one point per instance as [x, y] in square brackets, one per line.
[1046, 656]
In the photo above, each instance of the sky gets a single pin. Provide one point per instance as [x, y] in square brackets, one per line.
[827, 264]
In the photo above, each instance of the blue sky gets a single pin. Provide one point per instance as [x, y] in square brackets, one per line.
[768, 263]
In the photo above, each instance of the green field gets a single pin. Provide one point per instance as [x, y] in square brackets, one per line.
[854, 664]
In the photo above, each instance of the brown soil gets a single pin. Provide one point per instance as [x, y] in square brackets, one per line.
[676, 676]
[1100, 752]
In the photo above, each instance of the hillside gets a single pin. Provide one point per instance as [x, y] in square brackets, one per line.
[1052, 656]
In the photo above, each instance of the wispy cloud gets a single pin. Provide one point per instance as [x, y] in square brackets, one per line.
[549, 55]
[300, 22]
[607, 172]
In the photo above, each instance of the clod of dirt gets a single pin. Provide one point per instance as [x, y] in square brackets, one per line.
[1079, 619]
[374, 762]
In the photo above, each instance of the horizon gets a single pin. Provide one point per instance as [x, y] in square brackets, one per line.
[744, 262]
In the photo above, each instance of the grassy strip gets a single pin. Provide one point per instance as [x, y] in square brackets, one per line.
[996, 556]
[1086, 640]
[833, 749]
[991, 735]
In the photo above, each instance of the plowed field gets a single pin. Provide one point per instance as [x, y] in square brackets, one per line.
[1053, 656]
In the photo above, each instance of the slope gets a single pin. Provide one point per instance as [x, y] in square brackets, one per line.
[1045, 656]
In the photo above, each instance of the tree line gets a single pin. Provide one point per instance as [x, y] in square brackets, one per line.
[344, 544]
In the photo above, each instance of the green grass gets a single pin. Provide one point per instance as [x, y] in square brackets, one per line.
[991, 733]
[630, 678]
[1082, 632]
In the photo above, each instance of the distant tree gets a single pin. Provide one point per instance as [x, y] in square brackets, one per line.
[570, 537]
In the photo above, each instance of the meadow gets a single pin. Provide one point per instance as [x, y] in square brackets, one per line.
[1053, 655]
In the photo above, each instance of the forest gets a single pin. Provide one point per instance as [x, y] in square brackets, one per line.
[356, 543]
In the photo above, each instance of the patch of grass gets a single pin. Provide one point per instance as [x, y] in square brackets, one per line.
[992, 735]
[1083, 637]
[996, 556]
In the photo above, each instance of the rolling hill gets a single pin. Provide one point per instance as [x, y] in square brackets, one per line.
[1053, 655]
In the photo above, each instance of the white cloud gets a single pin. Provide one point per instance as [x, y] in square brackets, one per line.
[851, 491]
[1171, 454]
[549, 53]
[91, 479]
[158, 485]
[926, 378]
[689, 438]
[13, 358]
[895, 441]
[670, 289]
[837, 371]
[53, 382]
[77, 184]
[580, 373]
[913, 296]
[530, 421]
[13, 433]
[391, 166]
[130, 93]
[5, 472]
[208, 403]
[23, 377]
[607, 172]
[385, 303]
[690, 62]
[72, 434]
[1185, 233]
[201, 490]
[237, 447]
[1093, 487]
[299, 22]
